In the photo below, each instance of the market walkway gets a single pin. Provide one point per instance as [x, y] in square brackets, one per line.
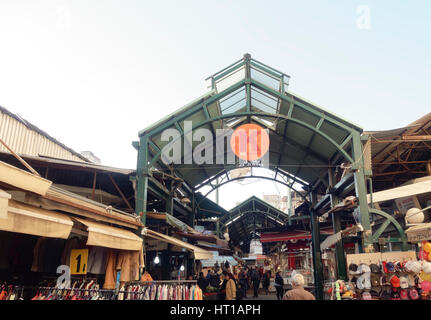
[262, 296]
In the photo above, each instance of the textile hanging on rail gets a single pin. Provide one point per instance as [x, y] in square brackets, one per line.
[10, 292]
[161, 291]
[90, 290]
[79, 290]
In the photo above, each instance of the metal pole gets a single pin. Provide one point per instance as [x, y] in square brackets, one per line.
[142, 179]
[289, 203]
[193, 215]
[361, 192]
[217, 191]
[317, 256]
[336, 224]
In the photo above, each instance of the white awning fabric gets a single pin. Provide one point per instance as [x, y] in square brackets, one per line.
[199, 253]
[22, 179]
[330, 240]
[401, 192]
[110, 237]
[31, 220]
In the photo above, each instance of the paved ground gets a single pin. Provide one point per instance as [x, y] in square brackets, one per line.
[270, 296]
[262, 296]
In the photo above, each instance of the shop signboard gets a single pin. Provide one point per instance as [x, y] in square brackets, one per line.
[419, 233]
[78, 261]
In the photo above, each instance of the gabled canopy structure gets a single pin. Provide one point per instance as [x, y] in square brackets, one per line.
[243, 220]
[309, 147]
[305, 139]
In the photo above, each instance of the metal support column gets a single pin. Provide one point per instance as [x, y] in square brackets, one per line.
[336, 224]
[361, 192]
[317, 256]
[193, 214]
[289, 204]
[142, 179]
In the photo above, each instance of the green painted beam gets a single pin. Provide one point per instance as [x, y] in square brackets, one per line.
[317, 256]
[396, 224]
[361, 191]
[381, 229]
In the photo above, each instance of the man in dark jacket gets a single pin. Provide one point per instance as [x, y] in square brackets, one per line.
[242, 277]
[222, 291]
[279, 285]
[202, 282]
[214, 280]
[255, 278]
[266, 281]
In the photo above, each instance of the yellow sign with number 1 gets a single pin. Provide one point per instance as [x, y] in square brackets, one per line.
[78, 261]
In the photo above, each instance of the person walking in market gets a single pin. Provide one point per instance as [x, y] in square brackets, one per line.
[298, 292]
[202, 282]
[279, 285]
[222, 291]
[255, 278]
[265, 281]
[214, 279]
[242, 279]
[230, 287]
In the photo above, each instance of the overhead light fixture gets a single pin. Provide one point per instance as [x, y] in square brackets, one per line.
[182, 268]
[156, 259]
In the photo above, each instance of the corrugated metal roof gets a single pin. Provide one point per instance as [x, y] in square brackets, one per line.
[81, 164]
[396, 156]
[25, 138]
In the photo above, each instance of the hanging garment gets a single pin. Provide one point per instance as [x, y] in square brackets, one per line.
[129, 263]
[52, 257]
[72, 243]
[111, 273]
[97, 257]
[154, 292]
[5, 240]
[147, 294]
[38, 255]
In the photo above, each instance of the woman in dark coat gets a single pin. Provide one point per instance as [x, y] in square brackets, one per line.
[265, 281]
[279, 285]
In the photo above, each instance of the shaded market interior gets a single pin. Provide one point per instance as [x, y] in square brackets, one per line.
[335, 167]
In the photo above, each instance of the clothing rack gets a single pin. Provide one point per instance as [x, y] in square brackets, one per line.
[75, 289]
[168, 281]
[133, 289]
[161, 290]
[18, 290]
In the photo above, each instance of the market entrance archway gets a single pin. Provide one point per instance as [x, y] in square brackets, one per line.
[307, 143]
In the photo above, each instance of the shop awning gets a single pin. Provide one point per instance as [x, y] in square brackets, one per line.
[27, 219]
[284, 236]
[419, 233]
[401, 192]
[198, 237]
[110, 237]
[334, 238]
[199, 253]
[22, 179]
[330, 241]
[171, 220]
[214, 247]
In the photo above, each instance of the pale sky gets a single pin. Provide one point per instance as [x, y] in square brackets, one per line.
[93, 73]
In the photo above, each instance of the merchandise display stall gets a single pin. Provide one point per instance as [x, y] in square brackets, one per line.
[384, 276]
[51, 249]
